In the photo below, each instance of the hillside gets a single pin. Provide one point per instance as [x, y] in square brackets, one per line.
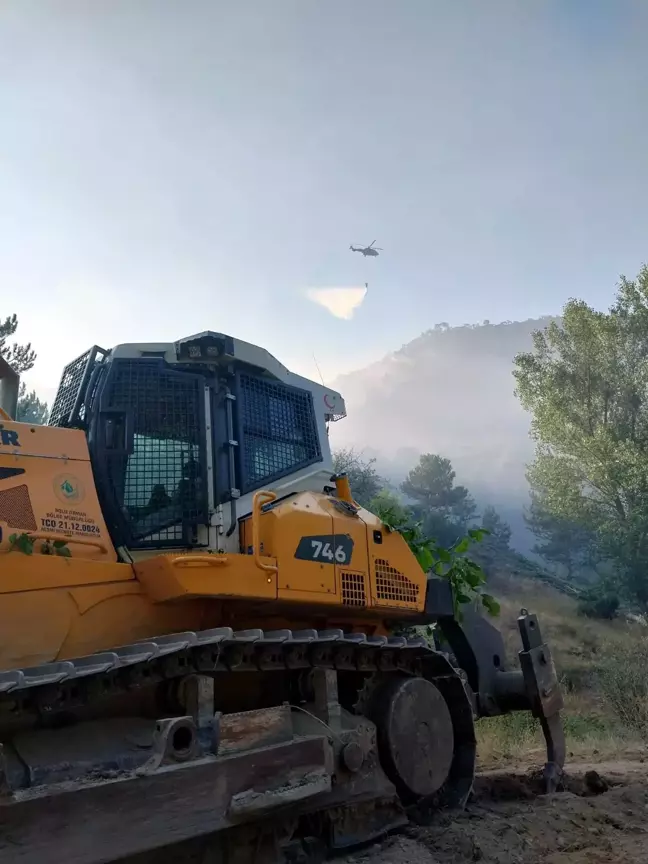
[450, 391]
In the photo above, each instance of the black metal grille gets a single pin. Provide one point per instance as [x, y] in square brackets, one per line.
[160, 485]
[353, 589]
[16, 509]
[392, 585]
[278, 432]
[70, 401]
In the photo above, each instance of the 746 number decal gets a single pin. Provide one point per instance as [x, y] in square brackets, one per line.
[326, 549]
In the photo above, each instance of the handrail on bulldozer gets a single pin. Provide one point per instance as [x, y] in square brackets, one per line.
[9, 387]
[263, 496]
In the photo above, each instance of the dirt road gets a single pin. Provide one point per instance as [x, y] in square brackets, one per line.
[600, 818]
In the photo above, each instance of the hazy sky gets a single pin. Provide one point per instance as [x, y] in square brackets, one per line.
[171, 166]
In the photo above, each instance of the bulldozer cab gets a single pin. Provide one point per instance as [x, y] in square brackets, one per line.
[181, 435]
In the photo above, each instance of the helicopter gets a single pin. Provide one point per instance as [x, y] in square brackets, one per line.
[367, 250]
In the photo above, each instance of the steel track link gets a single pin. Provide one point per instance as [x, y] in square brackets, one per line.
[71, 683]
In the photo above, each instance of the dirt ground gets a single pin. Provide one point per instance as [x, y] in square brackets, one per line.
[601, 817]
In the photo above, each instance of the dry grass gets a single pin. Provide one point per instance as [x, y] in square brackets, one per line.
[516, 739]
[603, 668]
[576, 643]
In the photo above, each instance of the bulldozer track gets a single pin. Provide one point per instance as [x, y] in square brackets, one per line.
[65, 683]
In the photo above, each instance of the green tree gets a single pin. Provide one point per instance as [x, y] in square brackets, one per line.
[387, 501]
[562, 542]
[364, 480]
[444, 509]
[499, 531]
[30, 408]
[585, 384]
[22, 358]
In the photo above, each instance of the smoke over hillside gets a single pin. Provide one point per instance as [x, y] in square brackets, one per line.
[450, 391]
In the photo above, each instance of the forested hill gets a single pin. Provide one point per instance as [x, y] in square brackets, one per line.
[451, 392]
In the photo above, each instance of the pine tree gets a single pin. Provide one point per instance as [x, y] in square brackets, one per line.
[22, 358]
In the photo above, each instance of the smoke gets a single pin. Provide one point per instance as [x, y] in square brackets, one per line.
[341, 302]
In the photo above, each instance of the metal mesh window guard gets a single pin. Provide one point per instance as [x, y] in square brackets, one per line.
[278, 430]
[161, 484]
[70, 401]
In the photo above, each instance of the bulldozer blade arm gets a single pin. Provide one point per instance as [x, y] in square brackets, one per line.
[544, 693]
[479, 650]
[554, 734]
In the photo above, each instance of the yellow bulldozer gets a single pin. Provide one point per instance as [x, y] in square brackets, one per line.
[197, 625]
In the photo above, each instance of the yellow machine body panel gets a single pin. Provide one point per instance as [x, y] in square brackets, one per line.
[327, 555]
[186, 576]
[57, 624]
[316, 558]
[47, 490]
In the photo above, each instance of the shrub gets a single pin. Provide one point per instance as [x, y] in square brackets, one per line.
[599, 603]
[623, 682]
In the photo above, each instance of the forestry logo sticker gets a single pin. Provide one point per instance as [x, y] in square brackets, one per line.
[68, 489]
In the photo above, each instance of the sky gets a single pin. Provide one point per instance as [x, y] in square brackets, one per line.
[173, 166]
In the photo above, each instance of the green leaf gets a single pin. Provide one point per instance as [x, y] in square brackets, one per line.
[474, 576]
[462, 546]
[22, 542]
[444, 555]
[490, 604]
[425, 559]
